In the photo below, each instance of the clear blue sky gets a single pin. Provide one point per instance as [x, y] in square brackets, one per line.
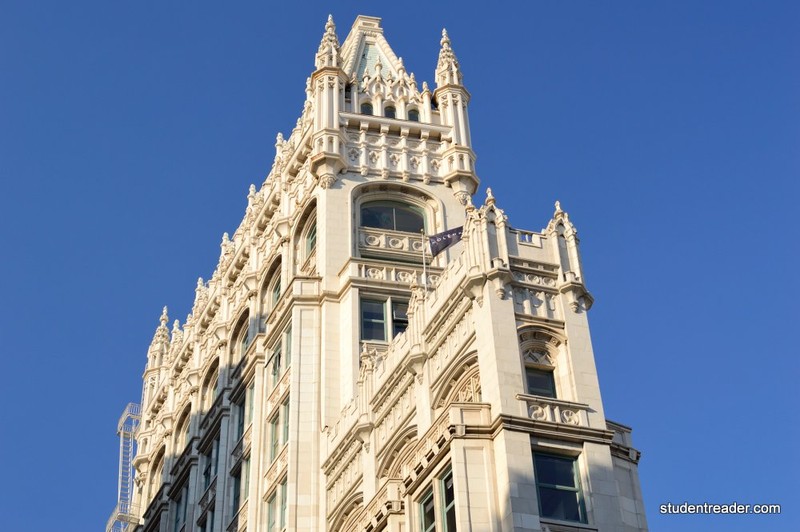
[130, 131]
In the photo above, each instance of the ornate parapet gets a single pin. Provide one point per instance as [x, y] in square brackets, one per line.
[551, 410]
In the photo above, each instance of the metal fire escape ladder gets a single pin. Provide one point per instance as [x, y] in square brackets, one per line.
[124, 513]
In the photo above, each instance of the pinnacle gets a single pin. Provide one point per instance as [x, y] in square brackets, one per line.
[164, 317]
[448, 71]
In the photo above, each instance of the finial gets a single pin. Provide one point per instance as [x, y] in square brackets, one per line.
[489, 197]
[425, 87]
[164, 318]
[330, 25]
[176, 327]
[558, 208]
[225, 240]
[445, 38]
[279, 139]
[200, 284]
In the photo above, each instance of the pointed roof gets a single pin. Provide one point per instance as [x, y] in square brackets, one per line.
[365, 47]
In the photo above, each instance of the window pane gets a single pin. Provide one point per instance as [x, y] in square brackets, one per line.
[373, 331]
[555, 471]
[311, 239]
[413, 115]
[390, 112]
[285, 414]
[283, 505]
[428, 512]
[379, 216]
[408, 220]
[399, 317]
[540, 382]
[448, 493]
[559, 504]
[271, 511]
[373, 320]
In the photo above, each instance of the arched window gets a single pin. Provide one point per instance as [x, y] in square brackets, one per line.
[210, 386]
[538, 357]
[392, 215]
[241, 338]
[182, 433]
[366, 108]
[310, 239]
[390, 112]
[413, 115]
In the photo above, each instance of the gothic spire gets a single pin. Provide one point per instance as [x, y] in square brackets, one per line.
[447, 70]
[328, 52]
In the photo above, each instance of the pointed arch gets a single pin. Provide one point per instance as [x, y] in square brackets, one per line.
[461, 383]
[351, 506]
[395, 451]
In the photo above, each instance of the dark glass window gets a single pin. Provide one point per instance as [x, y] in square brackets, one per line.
[373, 321]
[559, 488]
[399, 317]
[449, 496]
[413, 115]
[392, 215]
[428, 512]
[366, 108]
[374, 318]
[311, 239]
[390, 112]
[540, 382]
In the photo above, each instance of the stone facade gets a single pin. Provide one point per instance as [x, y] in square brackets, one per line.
[327, 380]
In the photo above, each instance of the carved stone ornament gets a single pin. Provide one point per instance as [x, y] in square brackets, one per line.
[326, 181]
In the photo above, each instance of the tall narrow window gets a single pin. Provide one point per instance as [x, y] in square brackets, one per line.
[413, 115]
[239, 410]
[284, 504]
[287, 346]
[180, 509]
[274, 435]
[390, 112]
[366, 108]
[427, 512]
[277, 361]
[249, 402]
[449, 502]
[275, 293]
[399, 317]
[236, 491]
[373, 320]
[311, 240]
[559, 489]
[210, 464]
[272, 514]
[285, 420]
[245, 479]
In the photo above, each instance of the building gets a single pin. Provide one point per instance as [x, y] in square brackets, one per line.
[331, 378]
